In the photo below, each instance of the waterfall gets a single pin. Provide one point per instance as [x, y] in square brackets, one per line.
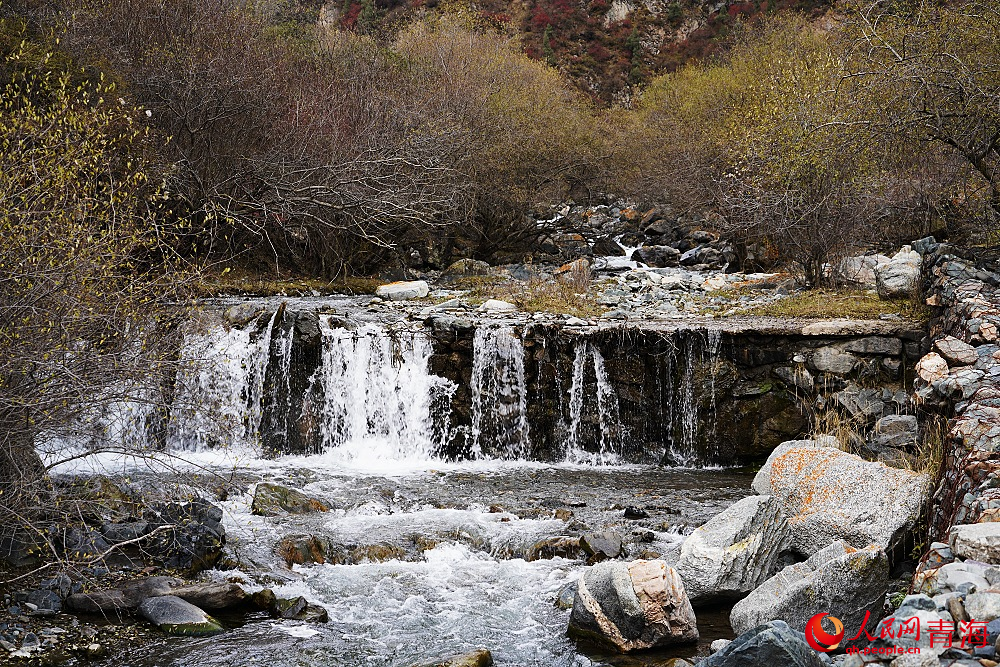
[379, 400]
[219, 385]
[609, 439]
[499, 394]
[690, 371]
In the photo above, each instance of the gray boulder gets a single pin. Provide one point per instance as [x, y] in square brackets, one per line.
[900, 278]
[124, 600]
[830, 495]
[632, 606]
[401, 291]
[860, 270]
[600, 546]
[896, 431]
[977, 541]
[734, 552]
[177, 617]
[213, 595]
[767, 645]
[465, 267]
[478, 658]
[838, 579]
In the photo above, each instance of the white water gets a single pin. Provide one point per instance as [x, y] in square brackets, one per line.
[609, 435]
[499, 394]
[378, 395]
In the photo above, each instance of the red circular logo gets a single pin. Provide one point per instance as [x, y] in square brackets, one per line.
[820, 639]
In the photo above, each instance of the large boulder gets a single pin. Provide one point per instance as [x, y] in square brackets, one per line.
[657, 256]
[977, 541]
[830, 495]
[839, 580]
[768, 645]
[274, 499]
[401, 291]
[860, 270]
[734, 552]
[177, 617]
[632, 606]
[900, 278]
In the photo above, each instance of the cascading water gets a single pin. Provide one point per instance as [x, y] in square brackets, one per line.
[609, 427]
[378, 398]
[499, 394]
[219, 387]
[693, 361]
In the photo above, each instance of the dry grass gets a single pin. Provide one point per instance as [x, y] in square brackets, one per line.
[232, 283]
[830, 303]
[546, 296]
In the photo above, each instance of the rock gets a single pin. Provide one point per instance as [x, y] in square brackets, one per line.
[763, 478]
[883, 345]
[195, 543]
[554, 547]
[241, 313]
[830, 495]
[900, 627]
[464, 268]
[274, 499]
[478, 658]
[832, 360]
[976, 541]
[299, 609]
[600, 546]
[635, 513]
[177, 617]
[896, 431]
[122, 600]
[578, 267]
[773, 643]
[932, 367]
[983, 607]
[566, 596]
[302, 549]
[955, 351]
[632, 606]
[213, 595]
[860, 270]
[900, 278]
[497, 306]
[657, 256]
[401, 291]
[719, 644]
[44, 601]
[734, 552]
[837, 579]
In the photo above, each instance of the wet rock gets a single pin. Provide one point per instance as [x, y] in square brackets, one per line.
[566, 596]
[213, 595]
[773, 643]
[241, 313]
[554, 547]
[302, 549]
[177, 617]
[955, 351]
[830, 495]
[882, 345]
[196, 540]
[44, 601]
[837, 579]
[635, 513]
[632, 606]
[977, 541]
[900, 278]
[274, 499]
[479, 658]
[832, 360]
[299, 609]
[600, 546]
[402, 291]
[734, 552]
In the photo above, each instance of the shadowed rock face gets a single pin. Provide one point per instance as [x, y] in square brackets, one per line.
[632, 606]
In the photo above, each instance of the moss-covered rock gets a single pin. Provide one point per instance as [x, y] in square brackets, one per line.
[274, 499]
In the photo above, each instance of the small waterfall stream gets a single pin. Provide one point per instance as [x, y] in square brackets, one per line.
[499, 394]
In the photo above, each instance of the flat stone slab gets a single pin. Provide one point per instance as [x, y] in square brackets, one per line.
[174, 616]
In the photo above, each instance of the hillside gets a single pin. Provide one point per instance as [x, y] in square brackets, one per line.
[607, 48]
